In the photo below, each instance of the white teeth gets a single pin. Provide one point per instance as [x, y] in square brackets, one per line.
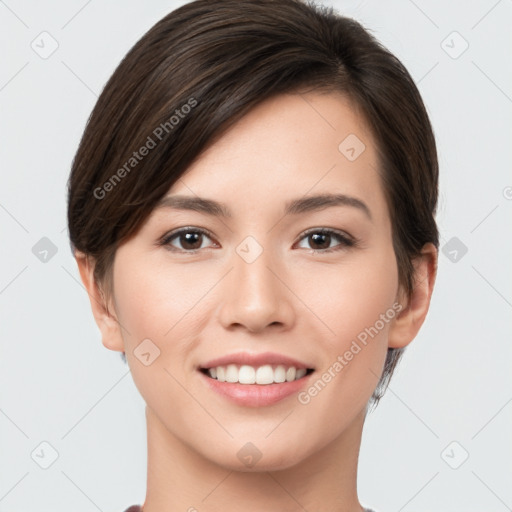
[231, 373]
[221, 373]
[300, 373]
[290, 374]
[280, 374]
[265, 374]
[246, 375]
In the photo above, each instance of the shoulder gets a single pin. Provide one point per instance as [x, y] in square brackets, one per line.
[133, 508]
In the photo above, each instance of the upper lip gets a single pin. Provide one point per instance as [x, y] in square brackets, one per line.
[255, 360]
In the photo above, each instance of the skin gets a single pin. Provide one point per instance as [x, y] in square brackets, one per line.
[290, 300]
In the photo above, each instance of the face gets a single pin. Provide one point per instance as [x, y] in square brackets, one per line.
[268, 278]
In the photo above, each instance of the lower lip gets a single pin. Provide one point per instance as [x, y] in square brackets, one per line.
[256, 395]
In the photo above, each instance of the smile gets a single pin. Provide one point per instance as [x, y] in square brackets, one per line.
[263, 375]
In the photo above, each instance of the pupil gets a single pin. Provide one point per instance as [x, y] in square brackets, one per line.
[316, 236]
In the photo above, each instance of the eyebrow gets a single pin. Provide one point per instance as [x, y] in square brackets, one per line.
[293, 207]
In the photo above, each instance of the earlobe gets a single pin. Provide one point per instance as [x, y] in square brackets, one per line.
[105, 320]
[408, 322]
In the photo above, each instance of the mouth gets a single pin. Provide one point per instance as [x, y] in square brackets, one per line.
[262, 375]
[255, 379]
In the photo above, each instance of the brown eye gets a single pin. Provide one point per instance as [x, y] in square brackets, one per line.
[320, 240]
[190, 240]
[186, 240]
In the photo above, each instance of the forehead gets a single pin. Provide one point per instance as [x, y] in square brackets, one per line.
[287, 146]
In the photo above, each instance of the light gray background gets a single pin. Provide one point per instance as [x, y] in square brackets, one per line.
[58, 383]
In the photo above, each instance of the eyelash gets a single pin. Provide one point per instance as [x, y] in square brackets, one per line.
[345, 240]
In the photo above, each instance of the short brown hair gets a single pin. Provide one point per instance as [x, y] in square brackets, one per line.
[221, 59]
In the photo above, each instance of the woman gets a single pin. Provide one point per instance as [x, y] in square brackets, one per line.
[252, 211]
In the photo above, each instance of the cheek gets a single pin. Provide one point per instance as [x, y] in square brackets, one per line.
[154, 301]
[358, 310]
[350, 296]
[353, 303]
[170, 306]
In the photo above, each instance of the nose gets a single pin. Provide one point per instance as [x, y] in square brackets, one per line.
[255, 296]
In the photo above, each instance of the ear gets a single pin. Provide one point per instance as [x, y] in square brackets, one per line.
[407, 323]
[107, 322]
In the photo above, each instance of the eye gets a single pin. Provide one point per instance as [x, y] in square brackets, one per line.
[188, 239]
[322, 238]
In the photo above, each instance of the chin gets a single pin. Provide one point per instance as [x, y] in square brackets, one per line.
[250, 459]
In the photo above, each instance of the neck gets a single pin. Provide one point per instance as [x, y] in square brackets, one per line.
[179, 478]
